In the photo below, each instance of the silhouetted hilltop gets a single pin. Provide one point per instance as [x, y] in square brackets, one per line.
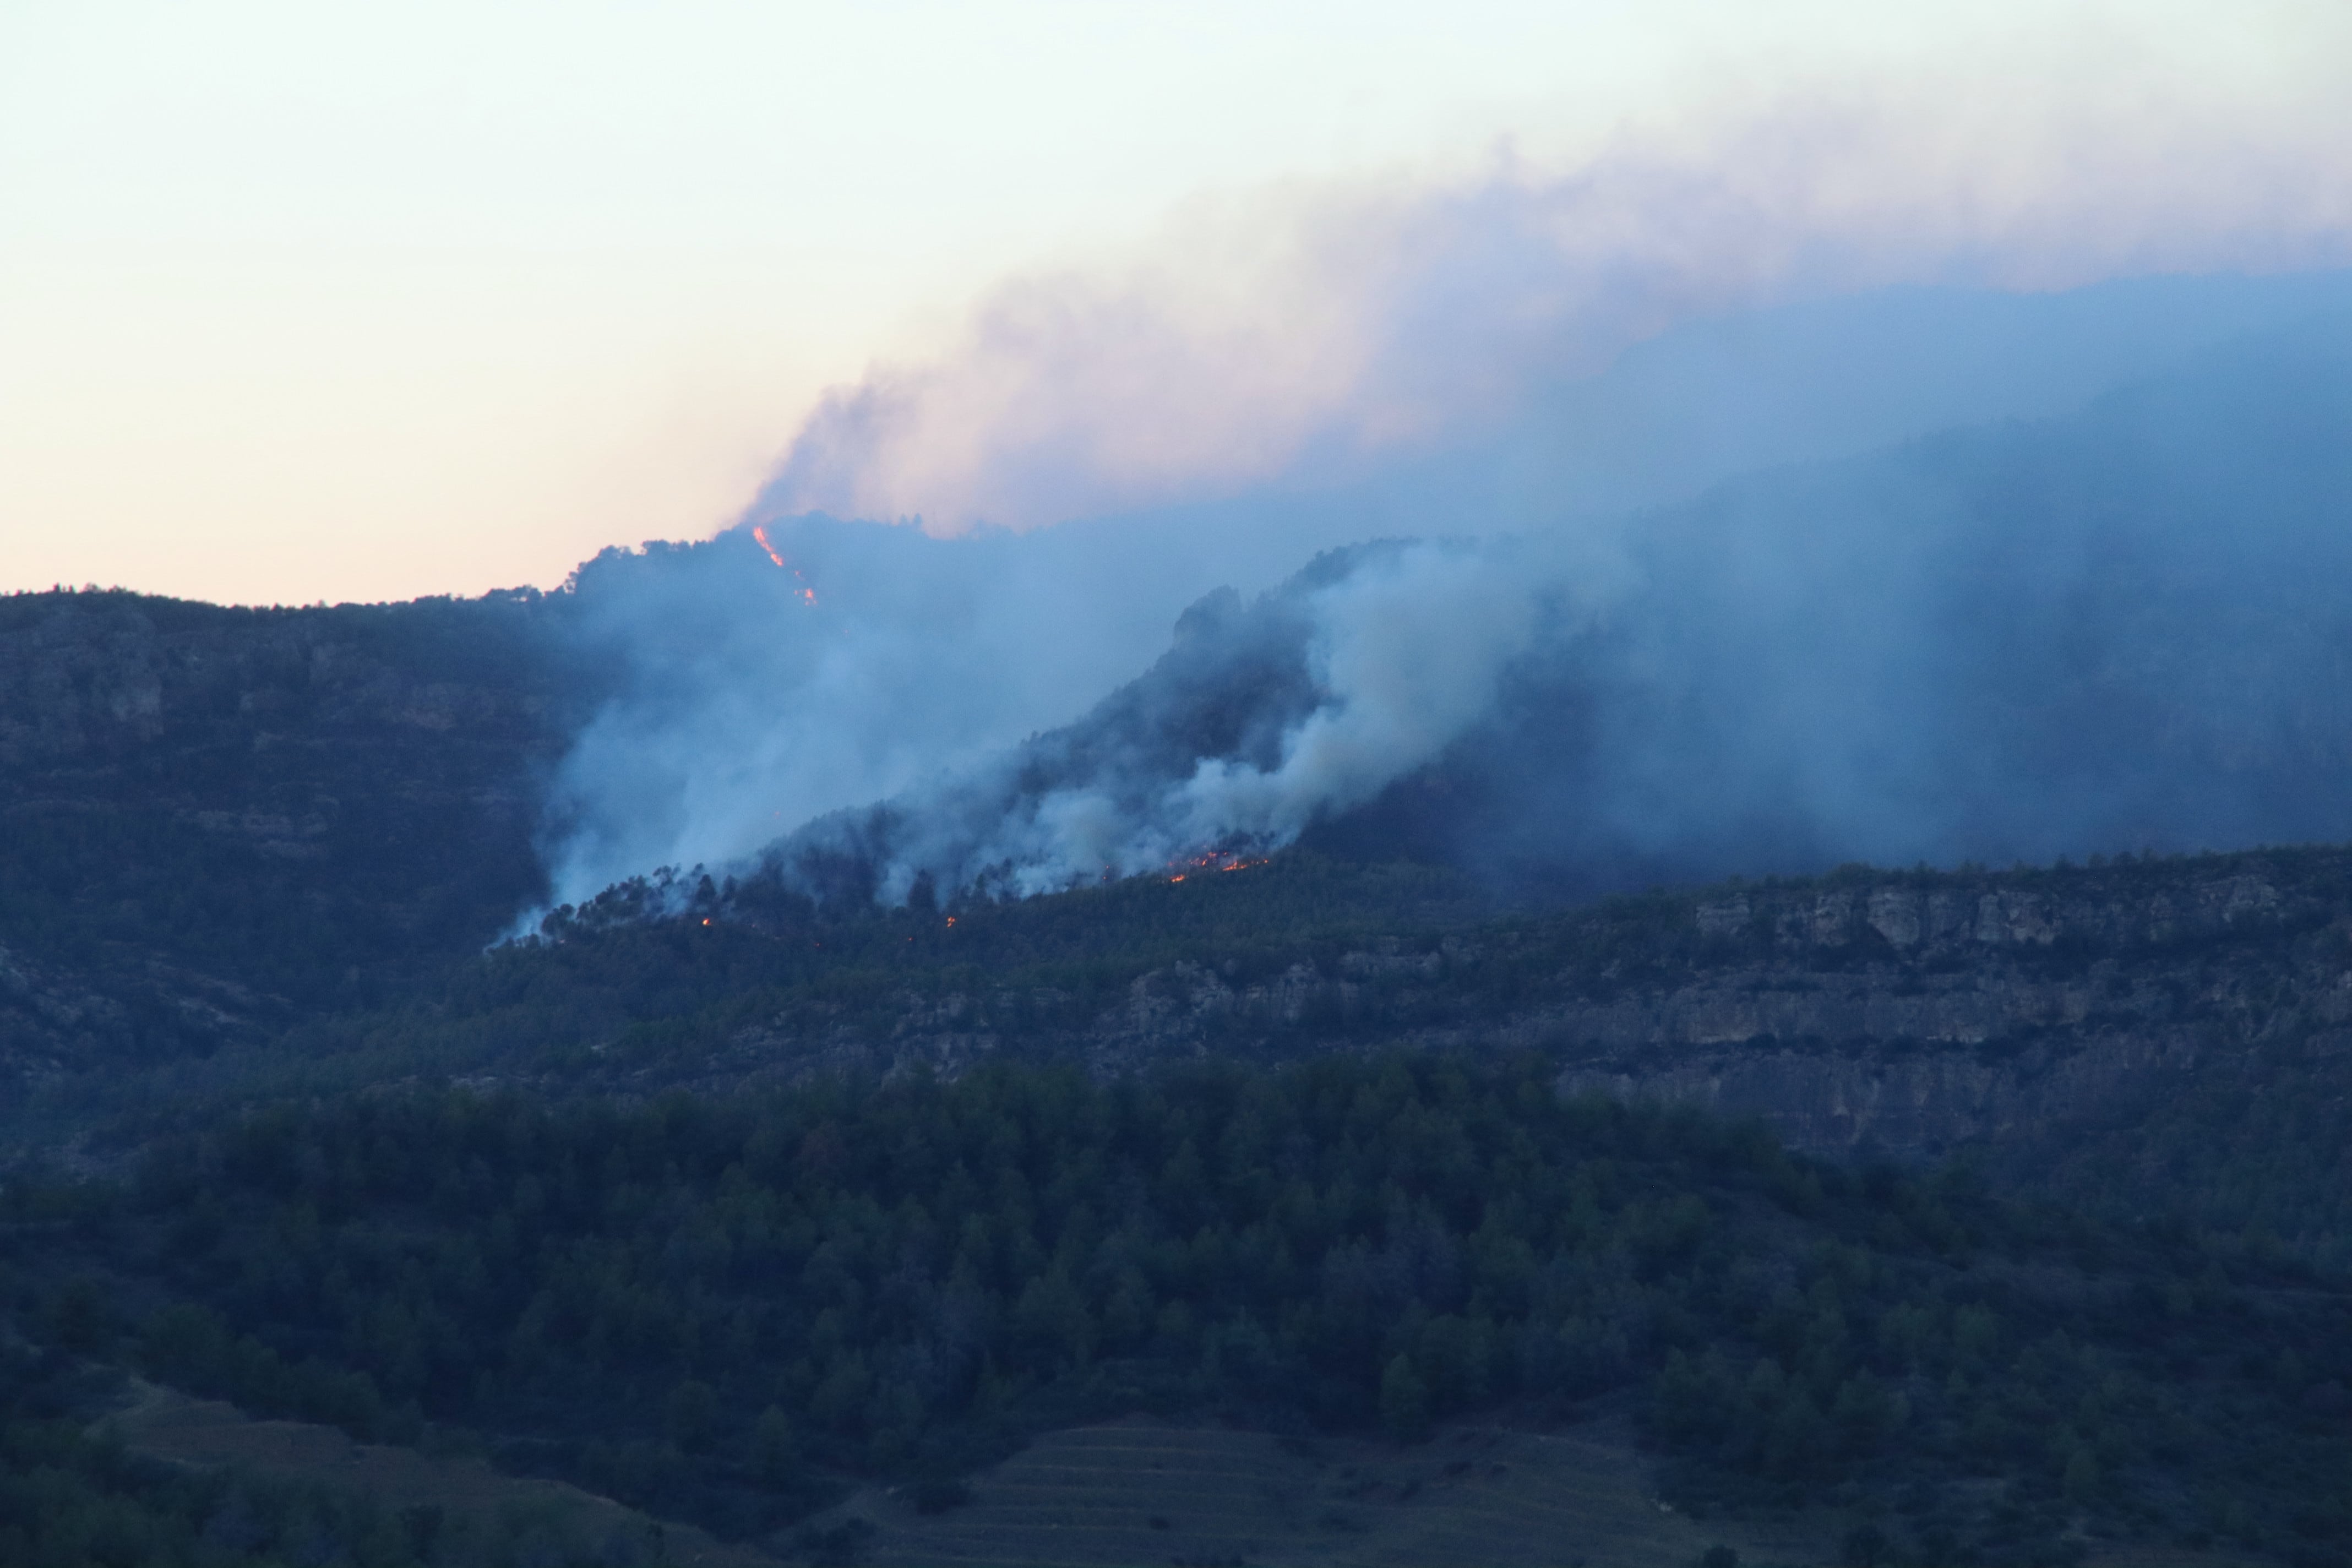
[218, 819]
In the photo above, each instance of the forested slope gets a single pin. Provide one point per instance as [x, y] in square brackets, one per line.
[727, 1201]
[217, 820]
[726, 1311]
[2160, 1037]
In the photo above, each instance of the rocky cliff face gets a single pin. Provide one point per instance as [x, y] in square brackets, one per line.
[2120, 1027]
[206, 812]
[93, 682]
[1914, 1020]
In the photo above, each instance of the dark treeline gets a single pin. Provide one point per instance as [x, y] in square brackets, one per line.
[654, 969]
[724, 1310]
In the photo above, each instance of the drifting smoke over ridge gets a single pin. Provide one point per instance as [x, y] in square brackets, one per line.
[1261, 720]
[1318, 332]
[1538, 355]
[748, 711]
[2126, 629]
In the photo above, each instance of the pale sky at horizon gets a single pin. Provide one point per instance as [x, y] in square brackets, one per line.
[304, 301]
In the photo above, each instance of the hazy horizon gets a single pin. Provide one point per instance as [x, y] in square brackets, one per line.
[305, 309]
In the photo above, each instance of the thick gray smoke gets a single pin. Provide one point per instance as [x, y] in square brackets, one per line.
[2129, 628]
[2112, 628]
[2124, 629]
[1260, 721]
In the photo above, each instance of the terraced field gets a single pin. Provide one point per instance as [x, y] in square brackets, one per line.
[166, 1425]
[1132, 1492]
[1140, 1492]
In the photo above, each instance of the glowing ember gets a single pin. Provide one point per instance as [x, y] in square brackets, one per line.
[806, 595]
[1214, 860]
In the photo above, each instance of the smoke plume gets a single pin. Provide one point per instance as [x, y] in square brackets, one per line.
[1322, 332]
[1708, 548]
[2123, 630]
[1260, 721]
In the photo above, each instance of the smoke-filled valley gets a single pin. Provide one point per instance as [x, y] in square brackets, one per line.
[833, 1043]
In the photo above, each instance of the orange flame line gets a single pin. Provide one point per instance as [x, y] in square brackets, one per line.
[760, 531]
[1215, 862]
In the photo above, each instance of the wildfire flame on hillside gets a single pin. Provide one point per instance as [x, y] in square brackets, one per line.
[806, 595]
[1214, 860]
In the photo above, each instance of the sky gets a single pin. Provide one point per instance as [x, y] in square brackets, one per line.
[331, 301]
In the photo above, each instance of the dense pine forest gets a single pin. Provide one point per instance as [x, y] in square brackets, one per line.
[1930, 1216]
[726, 1312]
